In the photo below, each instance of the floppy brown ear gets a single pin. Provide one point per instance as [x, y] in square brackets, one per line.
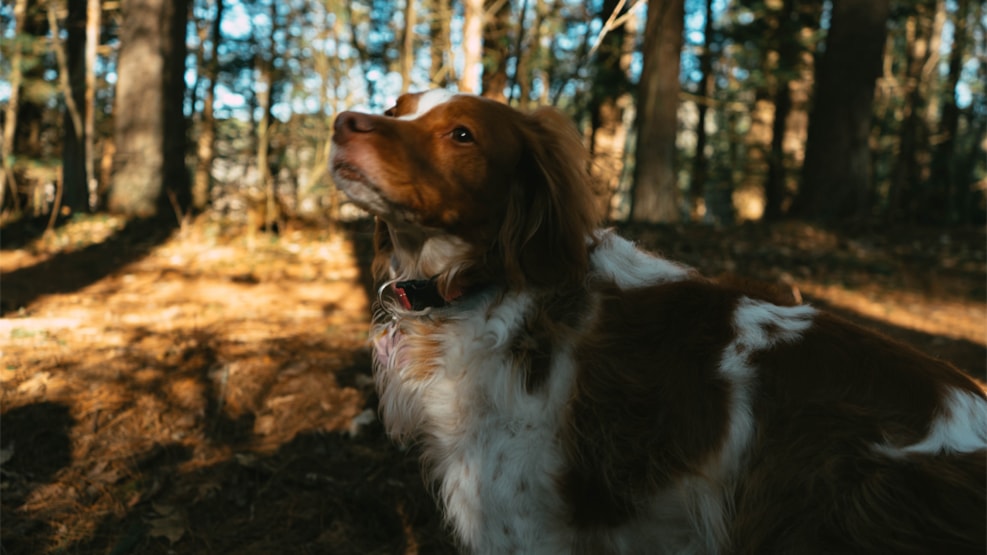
[553, 207]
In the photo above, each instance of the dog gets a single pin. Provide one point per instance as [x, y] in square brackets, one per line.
[572, 393]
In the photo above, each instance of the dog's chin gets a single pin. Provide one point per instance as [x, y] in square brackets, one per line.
[361, 191]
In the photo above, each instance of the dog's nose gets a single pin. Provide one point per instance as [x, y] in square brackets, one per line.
[348, 123]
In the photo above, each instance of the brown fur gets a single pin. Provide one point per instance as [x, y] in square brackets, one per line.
[650, 408]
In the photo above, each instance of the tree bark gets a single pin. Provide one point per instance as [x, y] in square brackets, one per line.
[469, 81]
[265, 99]
[836, 177]
[609, 99]
[496, 49]
[75, 180]
[438, 30]
[149, 121]
[707, 88]
[943, 161]
[785, 39]
[10, 112]
[206, 141]
[656, 196]
[408, 44]
[94, 13]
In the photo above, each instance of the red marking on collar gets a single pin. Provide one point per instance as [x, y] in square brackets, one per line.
[419, 294]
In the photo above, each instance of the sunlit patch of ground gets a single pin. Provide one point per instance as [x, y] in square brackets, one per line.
[205, 397]
[184, 393]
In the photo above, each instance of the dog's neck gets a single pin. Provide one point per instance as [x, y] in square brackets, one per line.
[429, 269]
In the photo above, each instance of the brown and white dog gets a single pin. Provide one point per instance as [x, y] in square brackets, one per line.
[574, 394]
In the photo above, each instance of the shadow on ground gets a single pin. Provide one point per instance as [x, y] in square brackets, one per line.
[73, 269]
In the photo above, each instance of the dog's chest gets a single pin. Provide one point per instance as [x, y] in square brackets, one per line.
[491, 444]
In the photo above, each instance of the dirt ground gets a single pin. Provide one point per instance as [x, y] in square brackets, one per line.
[193, 392]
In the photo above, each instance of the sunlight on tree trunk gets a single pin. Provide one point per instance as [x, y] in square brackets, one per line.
[469, 81]
[610, 102]
[94, 14]
[656, 195]
[408, 44]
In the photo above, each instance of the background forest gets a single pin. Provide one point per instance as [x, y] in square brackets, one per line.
[715, 111]
[185, 301]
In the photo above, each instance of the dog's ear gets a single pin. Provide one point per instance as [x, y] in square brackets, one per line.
[553, 207]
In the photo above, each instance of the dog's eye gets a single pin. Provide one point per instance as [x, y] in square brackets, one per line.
[462, 135]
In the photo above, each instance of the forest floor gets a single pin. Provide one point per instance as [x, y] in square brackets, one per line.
[196, 392]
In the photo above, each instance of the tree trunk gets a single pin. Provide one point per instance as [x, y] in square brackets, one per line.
[469, 81]
[75, 180]
[265, 94]
[206, 141]
[94, 13]
[610, 97]
[149, 122]
[786, 46]
[408, 44]
[656, 194]
[836, 180]
[910, 172]
[438, 31]
[943, 162]
[707, 88]
[10, 112]
[496, 49]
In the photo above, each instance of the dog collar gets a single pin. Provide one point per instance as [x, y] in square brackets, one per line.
[419, 294]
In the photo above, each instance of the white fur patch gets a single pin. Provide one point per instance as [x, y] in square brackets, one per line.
[960, 428]
[708, 501]
[758, 325]
[492, 444]
[618, 260]
[428, 100]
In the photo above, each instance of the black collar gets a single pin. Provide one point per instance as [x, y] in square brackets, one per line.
[419, 294]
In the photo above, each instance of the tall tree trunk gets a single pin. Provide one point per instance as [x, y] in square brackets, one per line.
[469, 81]
[206, 142]
[408, 44]
[10, 112]
[265, 94]
[149, 121]
[496, 48]
[610, 97]
[75, 180]
[910, 170]
[656, 194]
[438, 31]
[943, 162]
[786, 46]
[707, 89]
[524, 75]
[836, 177]
[521, 61]
[94, 12]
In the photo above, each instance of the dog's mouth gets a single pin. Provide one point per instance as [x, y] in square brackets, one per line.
[364, 192]
[344, 171]
[359, 188]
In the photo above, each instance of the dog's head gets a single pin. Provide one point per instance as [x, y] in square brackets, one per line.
[467, 190]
